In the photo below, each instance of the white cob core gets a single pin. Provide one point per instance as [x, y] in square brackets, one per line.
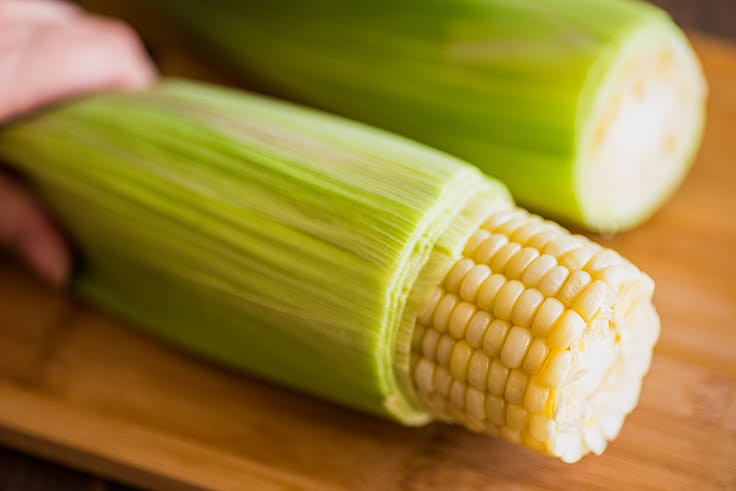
[645, 124]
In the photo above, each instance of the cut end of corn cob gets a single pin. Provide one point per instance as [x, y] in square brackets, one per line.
[644, 125]
[536, 335]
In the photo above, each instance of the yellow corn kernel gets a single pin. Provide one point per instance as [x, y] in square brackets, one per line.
[460, 360]
[540, 240]
[495, 337]
[472, 282]
[515, 347]
[496, 410]
[427, 313]
[475, 403]
[540, 427]
[503, 256]
[535, 356]
[457, 274]
[457, 394]
[475, 240]
[474, 424]
[604, 259]
[489, 248]
[550, 408]
[516, 386]
[506, 299]
[498, 219]
[591, 300]
[477, 328]
[575, 283]
[511, 226]
[443, 312]
[526, 307]
[489, 290]
[460, 318]
[522, 234]
[536, 397]
[561, 244]
[521, 260]
[429, 344]
[556, 370]
[614, 276]
[424, 375]
[550, 310]
[497, 376]
[442, 381]
[444, 350]
[455, 413]
[531, 442]
[567, 330]
[436, 402]
[510, 434]
[577, 258]
[537, 269]
[516, 416]
[491, 428]
[553, 280]
[478, 370]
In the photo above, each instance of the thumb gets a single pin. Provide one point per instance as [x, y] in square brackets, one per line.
[26, 230]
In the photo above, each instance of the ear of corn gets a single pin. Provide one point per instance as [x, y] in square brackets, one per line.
[275, 239]
[536, 335]
[590, 111]
[342, 261]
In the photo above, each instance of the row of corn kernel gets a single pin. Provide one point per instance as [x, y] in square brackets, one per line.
[483, 339]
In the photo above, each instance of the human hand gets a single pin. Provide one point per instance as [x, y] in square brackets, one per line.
[51, 50]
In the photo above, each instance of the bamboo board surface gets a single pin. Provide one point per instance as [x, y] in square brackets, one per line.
[79, 387]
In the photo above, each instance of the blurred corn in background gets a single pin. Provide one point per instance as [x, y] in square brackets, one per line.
[590, 112]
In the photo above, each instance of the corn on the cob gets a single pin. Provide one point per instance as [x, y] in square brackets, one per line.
[342, 261]
[536, 335]
[589, 110]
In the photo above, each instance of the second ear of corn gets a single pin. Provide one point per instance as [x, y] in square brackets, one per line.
[589, 110]
[342, 261]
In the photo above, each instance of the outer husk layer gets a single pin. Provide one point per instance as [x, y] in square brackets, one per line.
[275, 239]
[509, 86]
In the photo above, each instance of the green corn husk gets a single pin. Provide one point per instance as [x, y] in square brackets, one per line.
[519, 88]
[275, 239]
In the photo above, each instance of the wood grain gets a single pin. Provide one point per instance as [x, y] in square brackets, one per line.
[80, 388]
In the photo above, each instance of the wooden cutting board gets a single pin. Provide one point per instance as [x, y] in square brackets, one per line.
[79, 387]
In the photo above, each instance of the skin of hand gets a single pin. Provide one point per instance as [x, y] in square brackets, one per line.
[50, 50]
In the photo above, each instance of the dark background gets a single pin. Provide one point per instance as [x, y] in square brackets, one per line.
[20, 472]
[711, 16]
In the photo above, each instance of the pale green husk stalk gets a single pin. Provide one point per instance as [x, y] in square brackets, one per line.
[275, 239]
[589, 110]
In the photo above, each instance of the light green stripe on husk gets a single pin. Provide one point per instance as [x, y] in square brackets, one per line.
[275, 239]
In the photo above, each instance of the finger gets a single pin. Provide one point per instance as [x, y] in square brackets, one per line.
[125, 58]
[26, 230]
[88, 55]
[36, 11]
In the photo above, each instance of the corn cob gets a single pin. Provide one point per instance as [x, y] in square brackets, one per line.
[589, 110]
[342, 261]
[536, 335]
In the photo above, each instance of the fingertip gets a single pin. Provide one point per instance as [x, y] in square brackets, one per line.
[141, 76]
